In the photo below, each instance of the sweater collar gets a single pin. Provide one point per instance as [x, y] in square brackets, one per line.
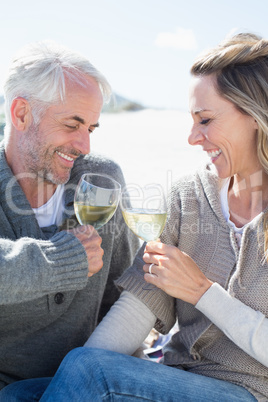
[211, 184]
[18, 209]
[15, 204]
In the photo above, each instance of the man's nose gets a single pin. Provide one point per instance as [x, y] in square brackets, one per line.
[82, 142]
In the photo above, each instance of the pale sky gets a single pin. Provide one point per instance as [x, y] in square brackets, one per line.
[145, 48]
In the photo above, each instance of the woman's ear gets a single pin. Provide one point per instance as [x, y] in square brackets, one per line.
[20, 114]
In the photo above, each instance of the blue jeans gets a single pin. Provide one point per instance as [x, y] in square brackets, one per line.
[98, 375]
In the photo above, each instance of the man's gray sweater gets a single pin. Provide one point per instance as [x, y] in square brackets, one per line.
[48, 305]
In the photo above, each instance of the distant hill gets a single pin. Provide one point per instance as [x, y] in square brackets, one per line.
[117, 104]
[120, 104]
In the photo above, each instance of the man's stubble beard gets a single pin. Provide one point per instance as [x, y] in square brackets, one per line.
[38, 159]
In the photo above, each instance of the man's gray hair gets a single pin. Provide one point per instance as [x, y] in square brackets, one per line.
[38, 74]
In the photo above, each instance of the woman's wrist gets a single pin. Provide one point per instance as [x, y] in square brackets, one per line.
[203, 289]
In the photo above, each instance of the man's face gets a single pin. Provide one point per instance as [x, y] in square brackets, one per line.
[50, 148]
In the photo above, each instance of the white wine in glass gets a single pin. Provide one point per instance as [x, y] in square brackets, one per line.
[96, 199]
[144, 210]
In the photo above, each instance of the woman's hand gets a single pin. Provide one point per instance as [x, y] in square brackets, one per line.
[174, 272]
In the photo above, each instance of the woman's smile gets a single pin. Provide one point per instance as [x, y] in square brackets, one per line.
[214, 154]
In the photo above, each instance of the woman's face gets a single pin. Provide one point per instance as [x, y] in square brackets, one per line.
[228, 136]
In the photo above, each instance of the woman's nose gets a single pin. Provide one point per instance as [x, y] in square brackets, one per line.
[196, 137]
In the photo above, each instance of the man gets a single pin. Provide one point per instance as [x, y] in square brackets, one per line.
[55, 284]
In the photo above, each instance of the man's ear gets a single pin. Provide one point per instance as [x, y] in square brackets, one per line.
[20, 114]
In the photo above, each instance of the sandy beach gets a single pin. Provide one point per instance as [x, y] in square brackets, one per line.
[150, 145]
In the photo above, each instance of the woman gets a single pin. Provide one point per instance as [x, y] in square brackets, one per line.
[210, 269]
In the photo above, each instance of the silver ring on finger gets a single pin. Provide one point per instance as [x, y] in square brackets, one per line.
[150, 269]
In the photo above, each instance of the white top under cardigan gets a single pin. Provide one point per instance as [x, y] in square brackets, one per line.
[129, 321]
[226, 213]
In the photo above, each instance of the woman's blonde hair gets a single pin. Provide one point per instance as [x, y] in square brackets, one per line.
[240, 65]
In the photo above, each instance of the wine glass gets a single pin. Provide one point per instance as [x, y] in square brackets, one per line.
[144, 210]
[96, 199]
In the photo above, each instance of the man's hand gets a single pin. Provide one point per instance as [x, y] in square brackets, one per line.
[91, 241]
